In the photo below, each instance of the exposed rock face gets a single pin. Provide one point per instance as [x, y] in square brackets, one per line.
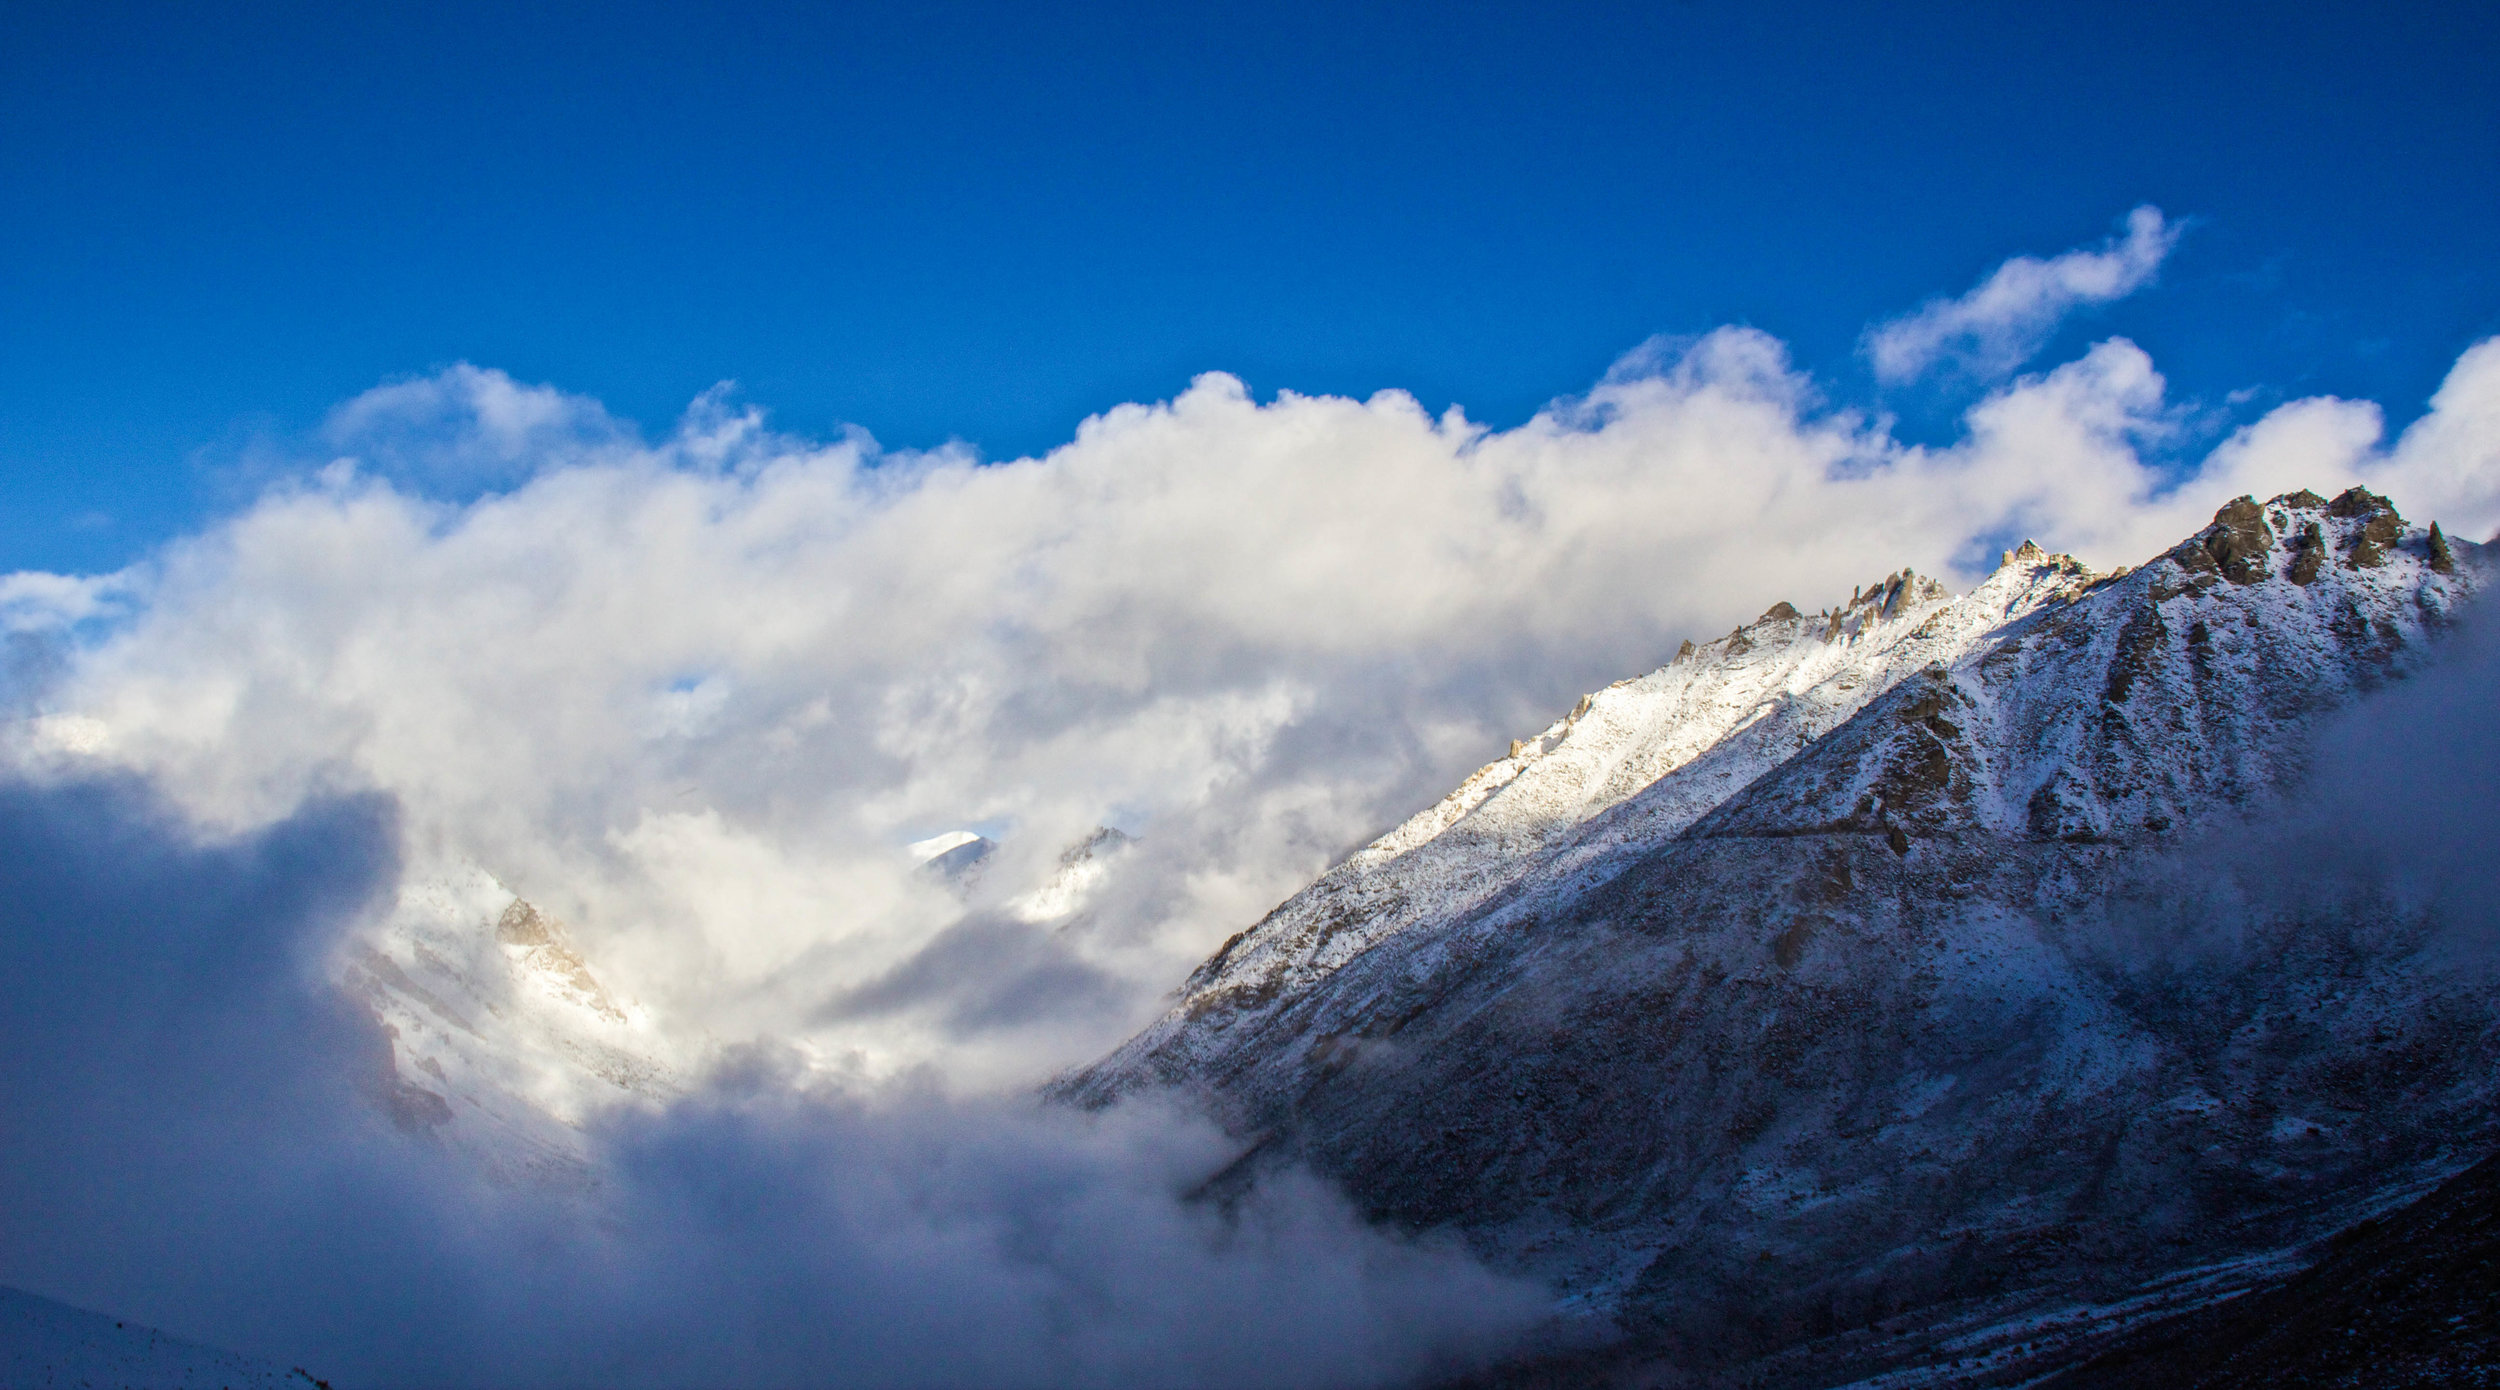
[2238, 545]
[2308, 555]
[2369, 546]
[2352, 502]
[1815, 983]
[543, 944]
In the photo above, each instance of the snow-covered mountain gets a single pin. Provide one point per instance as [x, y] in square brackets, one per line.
[1848, 997]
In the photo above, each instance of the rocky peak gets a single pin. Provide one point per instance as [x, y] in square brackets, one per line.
[2370, 543]
[2355, 501]
[543, 945]
[2443, 559]
[1888, 595]
[2238, 545]
[2028, 555]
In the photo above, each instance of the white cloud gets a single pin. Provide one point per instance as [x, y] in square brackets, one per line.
[33, 601]
[465, 428]
[2008, 317]
[696, 694]
[2447, 460]
[186, 1147]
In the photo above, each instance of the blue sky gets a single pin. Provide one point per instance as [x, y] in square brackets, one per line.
[987, 222]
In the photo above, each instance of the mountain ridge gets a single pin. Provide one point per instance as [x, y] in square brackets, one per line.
[1898, 984]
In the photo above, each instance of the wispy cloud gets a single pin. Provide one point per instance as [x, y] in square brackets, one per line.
[465, 428]
[31, 600]
[2007, 318]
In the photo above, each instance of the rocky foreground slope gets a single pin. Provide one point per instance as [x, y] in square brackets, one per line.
[1872, 992]
[2409, 1299]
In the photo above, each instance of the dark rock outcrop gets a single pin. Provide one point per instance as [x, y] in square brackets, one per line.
[2370, 542]
[2308, 553]
[2239, 544]
[2356, 502]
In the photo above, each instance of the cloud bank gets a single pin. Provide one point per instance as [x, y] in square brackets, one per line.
[189, 1144]
[694, 693]
[2007, 318]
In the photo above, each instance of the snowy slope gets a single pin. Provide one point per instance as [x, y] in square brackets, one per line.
[52, 1346]
[503, 1040]
[1842, 967]
[1635, 763]
[1680, 739]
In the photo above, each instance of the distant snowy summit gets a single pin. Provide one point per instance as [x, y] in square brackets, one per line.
[959, 859]
[954, 859]
[1865, 983]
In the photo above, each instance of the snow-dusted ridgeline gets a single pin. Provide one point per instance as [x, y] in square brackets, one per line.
[1643, 760]
[1842, 971]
